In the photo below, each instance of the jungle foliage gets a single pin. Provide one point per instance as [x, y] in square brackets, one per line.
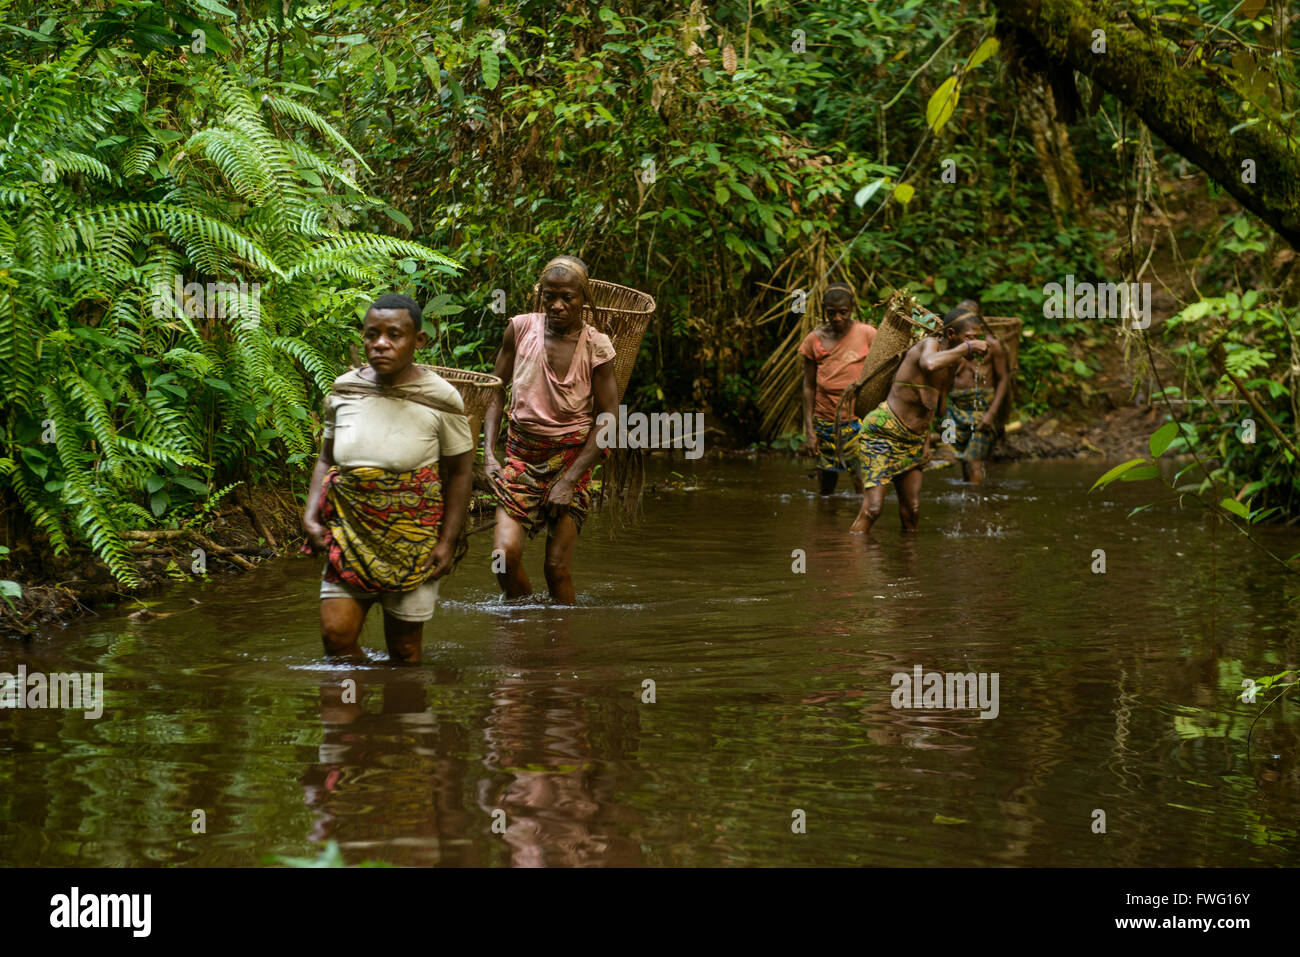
[328, 152]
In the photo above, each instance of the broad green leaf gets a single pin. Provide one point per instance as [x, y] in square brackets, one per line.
[390, 74]
[11, 589]
[398, 217]
[1161, 438]
[215, 7]
[903, 193]
[191, 484]
[1115, 473]
[432, 70]
[742, 189]
[942, 102]
[1235, 507]
[982, 53]
[158, 503]
[1250, 488]
[721, 194]
[1141, 474]
[491, 67]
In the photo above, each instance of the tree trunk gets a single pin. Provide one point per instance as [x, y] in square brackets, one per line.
[1056, 162]
[1177, 102]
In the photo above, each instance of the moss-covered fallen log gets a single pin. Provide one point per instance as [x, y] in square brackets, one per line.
[1176, 100]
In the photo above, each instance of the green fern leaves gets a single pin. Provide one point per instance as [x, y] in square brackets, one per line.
[172, 307]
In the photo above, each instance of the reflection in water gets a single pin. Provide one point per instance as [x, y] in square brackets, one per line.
[1118, 692]
[390, 777]
[390, 772]
[557, 797]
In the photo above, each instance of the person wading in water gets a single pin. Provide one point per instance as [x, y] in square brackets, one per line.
[396, 438]
[833, 354]
[978, 390]
[561, 375]
[895, 439]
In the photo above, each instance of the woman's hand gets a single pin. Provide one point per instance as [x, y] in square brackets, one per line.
[315, 535]
[493, 468]
[810, 444]
[441, 561]
[561, 494]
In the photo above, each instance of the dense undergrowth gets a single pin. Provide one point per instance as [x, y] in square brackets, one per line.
[724, 157]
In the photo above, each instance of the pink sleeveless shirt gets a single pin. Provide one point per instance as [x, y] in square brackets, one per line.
[541, 402]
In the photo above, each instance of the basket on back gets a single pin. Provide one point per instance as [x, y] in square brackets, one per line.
[624, 316]
[475, 390]
[894, 336]
[1007, 329]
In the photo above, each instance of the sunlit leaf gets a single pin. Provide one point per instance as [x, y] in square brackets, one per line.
[942, 102]
[944, 819]
[1235, 507]
[982, 52]
[432, 70]
[1141, 474]
[1161, 438]
[1115, 473]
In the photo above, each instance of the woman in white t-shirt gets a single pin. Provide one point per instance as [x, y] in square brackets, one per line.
[396, 438]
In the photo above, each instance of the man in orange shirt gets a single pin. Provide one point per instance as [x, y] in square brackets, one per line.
[833, 356]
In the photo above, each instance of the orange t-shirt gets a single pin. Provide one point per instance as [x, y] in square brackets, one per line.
[837, 368]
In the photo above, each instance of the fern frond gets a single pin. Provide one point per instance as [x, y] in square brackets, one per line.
[375, 247]
[65, 160]
[157, 453]
[309, 117]
[138, 157]
[95, 411]
[181, 225]
[239, 160]
[41, 517]
[321, 371]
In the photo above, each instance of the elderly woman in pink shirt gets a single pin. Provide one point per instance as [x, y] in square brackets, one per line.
[561, 375]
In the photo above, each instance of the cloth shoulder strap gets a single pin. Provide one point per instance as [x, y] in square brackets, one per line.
[363, 389]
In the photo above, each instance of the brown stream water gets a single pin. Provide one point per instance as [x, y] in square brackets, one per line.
[1116, 692]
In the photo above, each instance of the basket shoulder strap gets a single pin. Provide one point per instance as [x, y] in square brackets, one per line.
[361, 390]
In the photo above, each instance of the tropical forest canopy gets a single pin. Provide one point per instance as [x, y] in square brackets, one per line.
[728, 158]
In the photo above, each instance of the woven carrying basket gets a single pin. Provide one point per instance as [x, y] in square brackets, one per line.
[625, 315]
[894, 336]
[475, 390]
[1007, 329]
